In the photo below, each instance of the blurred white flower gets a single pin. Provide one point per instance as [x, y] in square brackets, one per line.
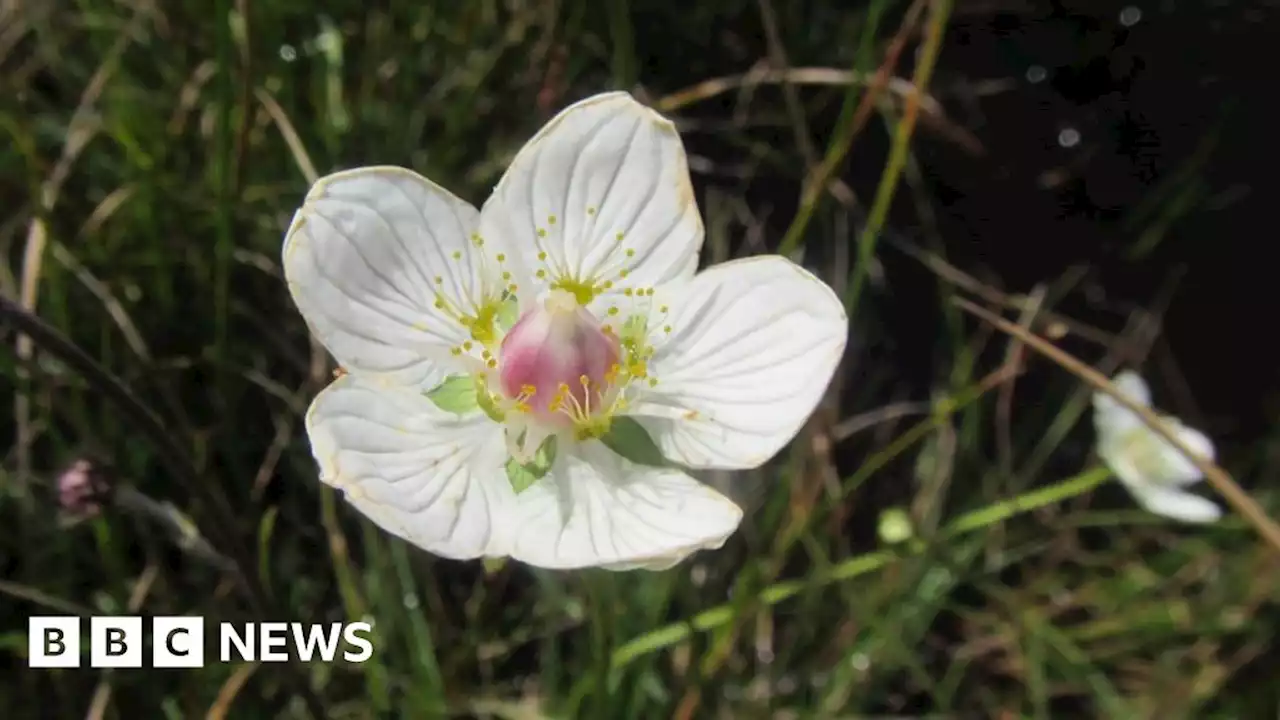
[1151, 468]
[497, 359]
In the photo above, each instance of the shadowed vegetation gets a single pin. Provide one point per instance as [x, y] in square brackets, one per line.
[153, 154]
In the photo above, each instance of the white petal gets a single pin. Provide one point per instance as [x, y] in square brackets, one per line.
[1178, 470]
[1140, 457]
[1123, 461]
[753, 346]
[426, 475]
[1178, 504]
[662, 562]
[596, 509]
[366, 258]
[1131, 385]
[1112, 417]
[604, 168]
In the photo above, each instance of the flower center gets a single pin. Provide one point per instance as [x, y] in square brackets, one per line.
[558, 371]
[560, 366]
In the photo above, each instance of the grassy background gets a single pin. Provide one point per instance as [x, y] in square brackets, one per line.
[153, 153]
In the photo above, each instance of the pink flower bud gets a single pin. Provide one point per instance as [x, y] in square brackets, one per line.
[556, 346]
[81, 488]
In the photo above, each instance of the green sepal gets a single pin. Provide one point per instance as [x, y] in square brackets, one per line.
[522, 476]
[628, 438]
[457, 394]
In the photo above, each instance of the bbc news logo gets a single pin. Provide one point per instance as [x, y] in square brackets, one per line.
[179, 642]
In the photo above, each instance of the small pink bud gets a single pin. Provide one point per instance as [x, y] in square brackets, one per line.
[81, 489]
[556, 345]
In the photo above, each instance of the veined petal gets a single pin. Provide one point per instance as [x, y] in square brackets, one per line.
[1178, 504]
[1109, 415]
[382, 263]
[655, 564]
[596, 509]
[426, 475]
[752, 348]
[601, 195]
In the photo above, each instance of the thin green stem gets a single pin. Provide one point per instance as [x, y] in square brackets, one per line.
[224, 244]
[848, 125]
[622, 35]
[860, 565]
[941, 12]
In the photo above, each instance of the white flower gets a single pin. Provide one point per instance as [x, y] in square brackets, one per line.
[491, 355]
[1151, 468]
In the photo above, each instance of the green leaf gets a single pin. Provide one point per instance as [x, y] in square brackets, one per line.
[457, 394]
[508, 312]
[628, 438]
[523, 476]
